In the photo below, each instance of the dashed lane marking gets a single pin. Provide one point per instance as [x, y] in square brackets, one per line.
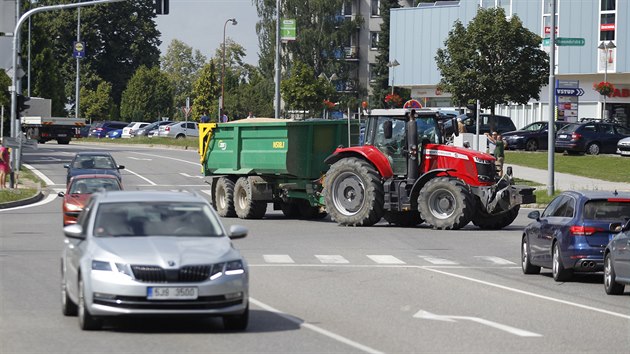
[384, 259]
[331, 258]
[278, 258]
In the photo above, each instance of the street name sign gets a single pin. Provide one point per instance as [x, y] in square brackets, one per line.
[569, 91]
[566, 41]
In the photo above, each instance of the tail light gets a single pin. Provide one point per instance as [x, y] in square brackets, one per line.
[168, 129]
[578, 230]
[99, 129]
[576, 136]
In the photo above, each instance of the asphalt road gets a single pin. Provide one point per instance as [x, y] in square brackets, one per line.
[315, 287]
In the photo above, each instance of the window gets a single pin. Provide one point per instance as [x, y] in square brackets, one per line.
[553, 206]
[565, 209]
[372, 72]
[373, 40]
[607, 27]
[376, 8]
[608, 5]
[347, 8]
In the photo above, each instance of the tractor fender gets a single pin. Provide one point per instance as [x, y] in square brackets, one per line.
[422, 180]
[366, 152]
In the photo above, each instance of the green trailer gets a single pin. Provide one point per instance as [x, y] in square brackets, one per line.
[254, 162]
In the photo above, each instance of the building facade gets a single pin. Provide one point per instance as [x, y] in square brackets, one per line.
[595, 47]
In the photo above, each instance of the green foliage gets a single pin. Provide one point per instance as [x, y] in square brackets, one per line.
[206, 91]
[303, 91]
[182, 67]
[494, 60]
[149, 96]
[51, 84]
[96, 104]
[5, 95]
[255, 95]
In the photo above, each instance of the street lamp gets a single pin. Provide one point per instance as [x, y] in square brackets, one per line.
[606, 47]
[234, 23]
[392, 64]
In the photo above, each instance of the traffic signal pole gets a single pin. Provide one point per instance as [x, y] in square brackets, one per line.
[15, 87]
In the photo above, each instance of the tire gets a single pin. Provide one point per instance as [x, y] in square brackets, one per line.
[557, 268]
[610, 284]
[223, 196]
[403, 218]
[526, 265]
[531, 145]
[244, 205]
[180, 136]
[68, 307]
[63, 141]
[593, 149]
[445, 203]
[486, 221]
[353, 193]
[87, 322]
[237, 322]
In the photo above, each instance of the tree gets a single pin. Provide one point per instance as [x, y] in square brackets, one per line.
[206, 92]
[149, 96]
[96, 104]
[303, 91]
[182, 67]
[5, 100]
[494, 60]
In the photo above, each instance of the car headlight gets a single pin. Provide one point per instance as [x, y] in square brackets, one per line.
[234, 267]
[480, 160]
[74, 207]
[101, 265]
[124, 268]
[112, 267]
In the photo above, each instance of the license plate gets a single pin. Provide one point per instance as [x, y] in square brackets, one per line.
[61, 135]
[562, 136]
[625, 152]
[171, 293]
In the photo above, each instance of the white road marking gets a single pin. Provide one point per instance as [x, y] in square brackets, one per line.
[170, 158]
[440, 261]
[139, 158]
[278, 258]
[314, 328]
[189, 176]
[37, 173]
[331, 258]
[496, 260]
[512, 330]
[144, 178]
[385, 259]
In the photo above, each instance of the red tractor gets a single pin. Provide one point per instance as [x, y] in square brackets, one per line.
[407, 173]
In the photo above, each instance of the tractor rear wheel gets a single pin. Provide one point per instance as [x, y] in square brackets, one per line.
[354, 193]
[446, 203]
[244, 205]
[486, 221]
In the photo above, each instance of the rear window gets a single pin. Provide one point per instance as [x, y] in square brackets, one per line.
[569, 128]
[607, 209]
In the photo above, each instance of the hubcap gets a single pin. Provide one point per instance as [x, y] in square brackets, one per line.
[442, 204]
[348, 193]
[524, 252]
[607, 273]
[221, 198]
[555, 264]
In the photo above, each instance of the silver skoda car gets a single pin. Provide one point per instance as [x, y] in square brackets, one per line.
[145, 253]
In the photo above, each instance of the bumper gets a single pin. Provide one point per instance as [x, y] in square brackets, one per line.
[504, 196]
[623, 150]
[569, 146]
[515, 144]
[110, 294]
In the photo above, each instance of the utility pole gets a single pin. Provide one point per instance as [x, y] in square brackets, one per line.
[552, 104]
[277, 100]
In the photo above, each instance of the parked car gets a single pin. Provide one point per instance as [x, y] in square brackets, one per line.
[572, 232]
[144, 131]
[532, 137]
[100, 129]
[84, 131]
[179, 130]
[617, 262]
[93, 163]
[502, 124]
[590, 137]
[623, 147]
[131, 128]
[114, 134]
[79, 191]
[153, 253]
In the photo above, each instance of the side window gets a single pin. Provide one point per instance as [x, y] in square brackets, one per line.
[566, 208]
[589, 128]
[552, 207]
[191, 126]
[84, 217]
[607, 129]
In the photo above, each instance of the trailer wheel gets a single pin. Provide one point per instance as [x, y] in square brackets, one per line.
[223, 195]
[244, 205]
[403, 218]
[486, 221]
[354, 193]
[445, 203]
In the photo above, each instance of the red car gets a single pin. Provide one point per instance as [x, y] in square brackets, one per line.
[79, 191]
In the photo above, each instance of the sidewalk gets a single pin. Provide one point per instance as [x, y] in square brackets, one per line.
[564, 181]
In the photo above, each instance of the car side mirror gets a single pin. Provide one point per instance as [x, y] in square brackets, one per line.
[66, 166]
[237, 231]
[388, 130]
[534, 215]
[74, 231]
[615, 227]
[61, 194]
[121, 167]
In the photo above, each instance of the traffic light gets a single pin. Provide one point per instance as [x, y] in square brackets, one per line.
[22, 103]
[161, 7]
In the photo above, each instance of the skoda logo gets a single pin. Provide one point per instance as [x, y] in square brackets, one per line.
[171, 263]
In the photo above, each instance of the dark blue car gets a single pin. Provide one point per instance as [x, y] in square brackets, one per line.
[93, 163]
[617, 262]
[532, 137]
[100, 129]
[572, 232]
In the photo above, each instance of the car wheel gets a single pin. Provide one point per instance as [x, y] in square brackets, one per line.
[593, 149]
[526, 265]
[610, 284]
[237, 322]
[531, 145]
[68, 307]
[87, 322]
[557, 268]
[180, 136]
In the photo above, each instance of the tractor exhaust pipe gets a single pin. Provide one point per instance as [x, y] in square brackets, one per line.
[413, 171]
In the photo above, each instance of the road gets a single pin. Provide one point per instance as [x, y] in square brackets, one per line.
[315, 287]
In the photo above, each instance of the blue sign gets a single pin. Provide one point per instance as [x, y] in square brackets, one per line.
[569, 92]
[78, 50]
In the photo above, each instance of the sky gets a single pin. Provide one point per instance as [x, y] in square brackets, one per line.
[199, 24]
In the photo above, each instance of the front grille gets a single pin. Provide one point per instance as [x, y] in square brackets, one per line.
[187, 274]
[486, 171]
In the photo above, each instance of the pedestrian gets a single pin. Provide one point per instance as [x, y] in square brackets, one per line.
[204, 118]
[224, 117]
[490, 146]
[499, 151]
[251, 115]
[4, 166]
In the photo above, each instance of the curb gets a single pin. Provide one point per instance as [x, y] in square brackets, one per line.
[34, 199]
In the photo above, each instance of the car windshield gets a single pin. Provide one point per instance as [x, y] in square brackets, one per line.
[607, 210]
[93, 185]
[94, 162]
[156, 219]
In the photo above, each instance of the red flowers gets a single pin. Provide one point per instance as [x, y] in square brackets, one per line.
[329, 105]
[393, 99]
[604, 88]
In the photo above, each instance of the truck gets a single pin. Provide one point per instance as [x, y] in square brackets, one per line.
[407, 171]
[38, 123]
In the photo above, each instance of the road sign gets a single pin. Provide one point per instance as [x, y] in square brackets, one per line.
[186, 111]
[78, 49]
[569, 92]
[565, 41]
[288, 30]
